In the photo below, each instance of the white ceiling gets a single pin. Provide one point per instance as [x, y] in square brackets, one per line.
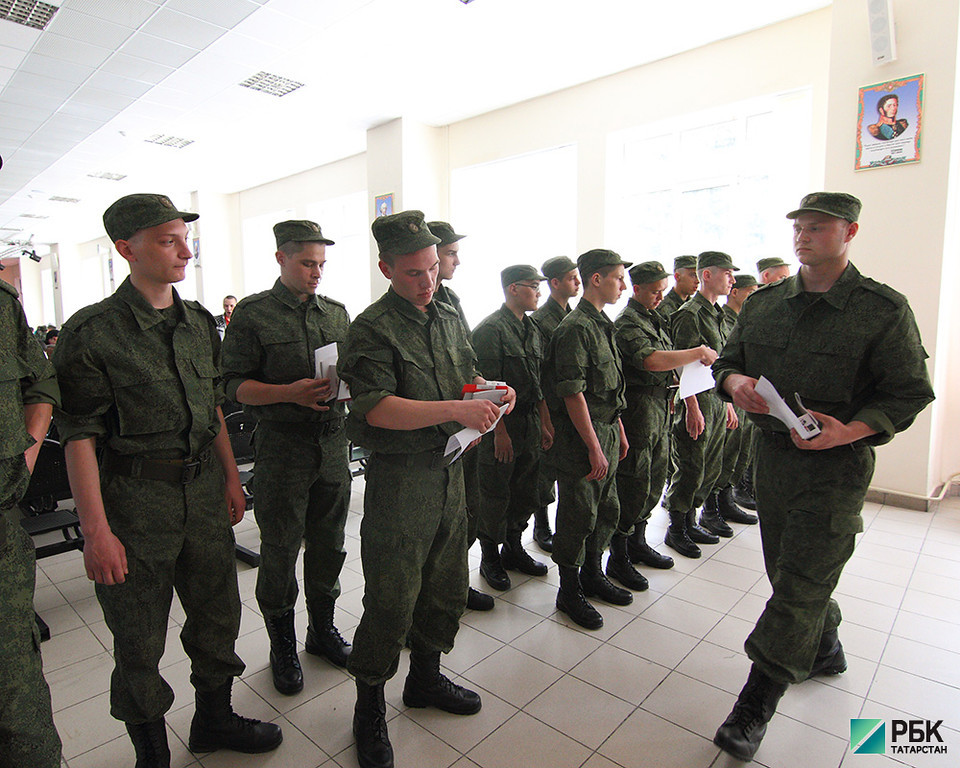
[82, 96]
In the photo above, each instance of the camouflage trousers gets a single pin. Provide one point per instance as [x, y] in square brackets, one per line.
[301, 494]
[413, 546]
[588, 510]
[471, 491]
[642, 473]
[547, 479]
[508, 490]
[177, 537]
[28, 736]
[736, 452]
[697, 462]
[809, 506]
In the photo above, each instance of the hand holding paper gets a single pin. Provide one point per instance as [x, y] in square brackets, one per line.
[805, 424]
[695, 378]
[325, 359]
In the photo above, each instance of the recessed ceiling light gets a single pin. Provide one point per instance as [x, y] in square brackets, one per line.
[58, 199]
[108, 176]
[275, 85]
[33, 216]
[29, 13]
[168, 141]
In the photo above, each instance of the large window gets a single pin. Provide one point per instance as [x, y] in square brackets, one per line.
[520, 210]
[710, 181]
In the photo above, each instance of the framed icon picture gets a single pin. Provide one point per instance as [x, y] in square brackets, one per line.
[384, 205]
[889, 123]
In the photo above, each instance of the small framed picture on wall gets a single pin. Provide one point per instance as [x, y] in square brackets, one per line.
[384, 205]
[889, 123]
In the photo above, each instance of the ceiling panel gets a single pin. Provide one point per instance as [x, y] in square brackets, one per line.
[170, 25]
[80, 26]
[58, 69]
[40, 84]
[10, 57]
[123, 86]
[223, 13]
[137, 68]
[18, 36]
[157, 50]
[128, 13]
[74, 51]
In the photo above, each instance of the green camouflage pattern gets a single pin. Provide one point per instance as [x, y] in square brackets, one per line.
[715, 259]
[854, 353]
[557, 266]
[28, 736]
[128, 215]
[271, 338]
[402, 233]
[838, 204]
[642, 473]
[697, 463]
[736, 442]
[444, 231]
[509, 349]
[670, 304]
[446, 294]
[301, 483]
[147, 382]
[299, 231]
[598, 258]
[519, 272]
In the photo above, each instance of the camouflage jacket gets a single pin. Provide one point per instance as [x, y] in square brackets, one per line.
[639, 333]
[272, 337]
[698, 322]
[509, 350]
[548, 317]
[670, 304]
[853, 352]
[447, 296]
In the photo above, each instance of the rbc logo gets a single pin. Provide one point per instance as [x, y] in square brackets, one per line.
[867, 736]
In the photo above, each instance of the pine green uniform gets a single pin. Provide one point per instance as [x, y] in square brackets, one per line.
[583, 357]
[413, 538]
[736, 442]
[547, 318]
[853, 353]
[670, 304]
[301, 481]
[27, 733]
[509, 350]
[697, 462]
[146, 383]
[641, 475]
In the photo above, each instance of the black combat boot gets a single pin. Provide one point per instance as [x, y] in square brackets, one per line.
[479, 601]
[150, 744]
[514, 557]
[742, 731]
[370, 728]
[620, 568]
[284, 662]
[677, 537]
[729, 509]
[712, 520]
[596, 584]
[216, 726]
[491, 567]
[541, 529]
[743, 494]
[698, 534]
[830, 657]
[641, 552]
[427, 686]
[323, 638]
[571, 601]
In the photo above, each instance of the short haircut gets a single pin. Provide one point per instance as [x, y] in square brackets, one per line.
[229, 296]
[602, 271]
[291, 248]
[51, 334]
[388, 257]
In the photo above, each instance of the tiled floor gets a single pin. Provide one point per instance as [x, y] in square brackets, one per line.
[646, 691]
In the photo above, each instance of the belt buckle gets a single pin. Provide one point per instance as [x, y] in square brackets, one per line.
[439, 461]
[191, 470]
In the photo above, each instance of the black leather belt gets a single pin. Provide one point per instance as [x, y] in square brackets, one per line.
[430, 459]
[304, 429]
[651, 389]
[183, 471]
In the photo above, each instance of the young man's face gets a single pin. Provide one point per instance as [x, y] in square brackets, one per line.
[527, 293]
[773, 274]
[449, 259]
[228, 304]
[159, 254]
[687, 281]
[650, 294]
[612, 286]
[718, 280]
[567, 286]
[414, 275]
[819, 238]
[302, 271]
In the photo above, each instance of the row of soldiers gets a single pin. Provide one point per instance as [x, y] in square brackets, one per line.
[141, 378]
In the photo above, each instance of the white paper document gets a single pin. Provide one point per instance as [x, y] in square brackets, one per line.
[695, 378]
[325, 359]
[805, 424]
[458, 442]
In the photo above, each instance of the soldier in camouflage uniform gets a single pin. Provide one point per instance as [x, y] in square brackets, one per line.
[508, 349]
[139, 373]
[407, 359]
[850, 348]
[720, 504]
[699, 431]
[684, 286]
[448, 252]
[649, 360]
[28, 392]
[301, 480]
[564, 284]
[585, 393]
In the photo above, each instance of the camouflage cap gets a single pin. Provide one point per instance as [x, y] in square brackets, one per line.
[558, 266]
[402, 233]
[595, 259]
[838, 204]
[715, 259]
[445, 232]
[131, 213]
[744, 280]
[770, 263]
[519, 272]
[299, 231]
[647, 272]
[684, 262]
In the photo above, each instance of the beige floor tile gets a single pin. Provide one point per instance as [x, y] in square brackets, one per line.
[67, 648]
[556, 644]
[874, 590]
[654, 641]
[580, 710]
[119, 752]
[536, 595]
[857, 679]
[87, 725]
[932, 606]
[513, 676]
[749, 607]
[885, 553]
[730, 633]
[867, 613]
[884, 573]
[707, 594]
[683, 616]
[717, 666]
[614, 620]
[792, 744]
[505, 622]
[464, 733]
[79, 681]
[914, 695]
[940, 634]
[523, 741]
[620, 673]
[646, 741]
[821, 706]
[689, 703]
